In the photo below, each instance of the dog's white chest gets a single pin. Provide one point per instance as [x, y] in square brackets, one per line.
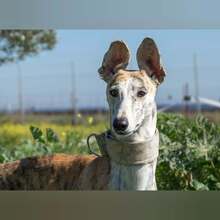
[132, 177]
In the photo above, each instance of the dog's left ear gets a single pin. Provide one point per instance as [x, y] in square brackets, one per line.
[148, 59]
[117, 57]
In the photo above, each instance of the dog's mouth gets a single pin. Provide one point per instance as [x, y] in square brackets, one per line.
[123, 133]
[128, 133]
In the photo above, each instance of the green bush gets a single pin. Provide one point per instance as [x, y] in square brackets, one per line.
[189, 156]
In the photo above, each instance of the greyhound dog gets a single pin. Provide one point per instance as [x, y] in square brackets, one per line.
[131, 144]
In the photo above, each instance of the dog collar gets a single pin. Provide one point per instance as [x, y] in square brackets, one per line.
[127, 153]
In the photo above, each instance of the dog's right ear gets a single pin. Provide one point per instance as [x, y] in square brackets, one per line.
[117, 57]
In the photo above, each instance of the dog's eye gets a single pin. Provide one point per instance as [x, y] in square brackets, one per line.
[141, 93]
[114, 92]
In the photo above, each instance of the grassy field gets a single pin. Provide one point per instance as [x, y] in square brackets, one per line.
[189, 148]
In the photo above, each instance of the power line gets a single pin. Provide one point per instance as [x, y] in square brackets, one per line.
[20, 91]
[73, 93]
[196, 81]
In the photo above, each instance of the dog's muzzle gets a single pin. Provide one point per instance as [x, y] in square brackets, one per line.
[127, 153]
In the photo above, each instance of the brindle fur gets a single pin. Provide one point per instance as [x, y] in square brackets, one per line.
[57, 172]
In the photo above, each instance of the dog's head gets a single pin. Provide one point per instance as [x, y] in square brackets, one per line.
[131, 94]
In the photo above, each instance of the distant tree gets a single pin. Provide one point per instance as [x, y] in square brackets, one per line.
[18, 44]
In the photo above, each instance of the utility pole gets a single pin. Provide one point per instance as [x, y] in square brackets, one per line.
[73, 94]
[186, 99]
[20, 91]
[196, 81]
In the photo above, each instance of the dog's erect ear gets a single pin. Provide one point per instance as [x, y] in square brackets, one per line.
[117, 57]
[148, 59]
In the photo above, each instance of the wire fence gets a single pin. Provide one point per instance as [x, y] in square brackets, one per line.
[50, 89]
[61, 86]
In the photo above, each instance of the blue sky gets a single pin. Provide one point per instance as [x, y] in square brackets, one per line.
[47, 78]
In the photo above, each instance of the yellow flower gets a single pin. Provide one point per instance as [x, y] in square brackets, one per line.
[63, 134]
[79, 115]
[90, 120]
[17, 132]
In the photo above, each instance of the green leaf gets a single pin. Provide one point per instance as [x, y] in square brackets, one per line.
[218, 186]
[37, 134]
[199, 186]
[2, 158]
[51, 136]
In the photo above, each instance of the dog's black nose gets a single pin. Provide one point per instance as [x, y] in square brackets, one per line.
[120, 124]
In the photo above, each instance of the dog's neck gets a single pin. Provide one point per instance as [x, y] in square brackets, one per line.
[148, 126]
[136, 177]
